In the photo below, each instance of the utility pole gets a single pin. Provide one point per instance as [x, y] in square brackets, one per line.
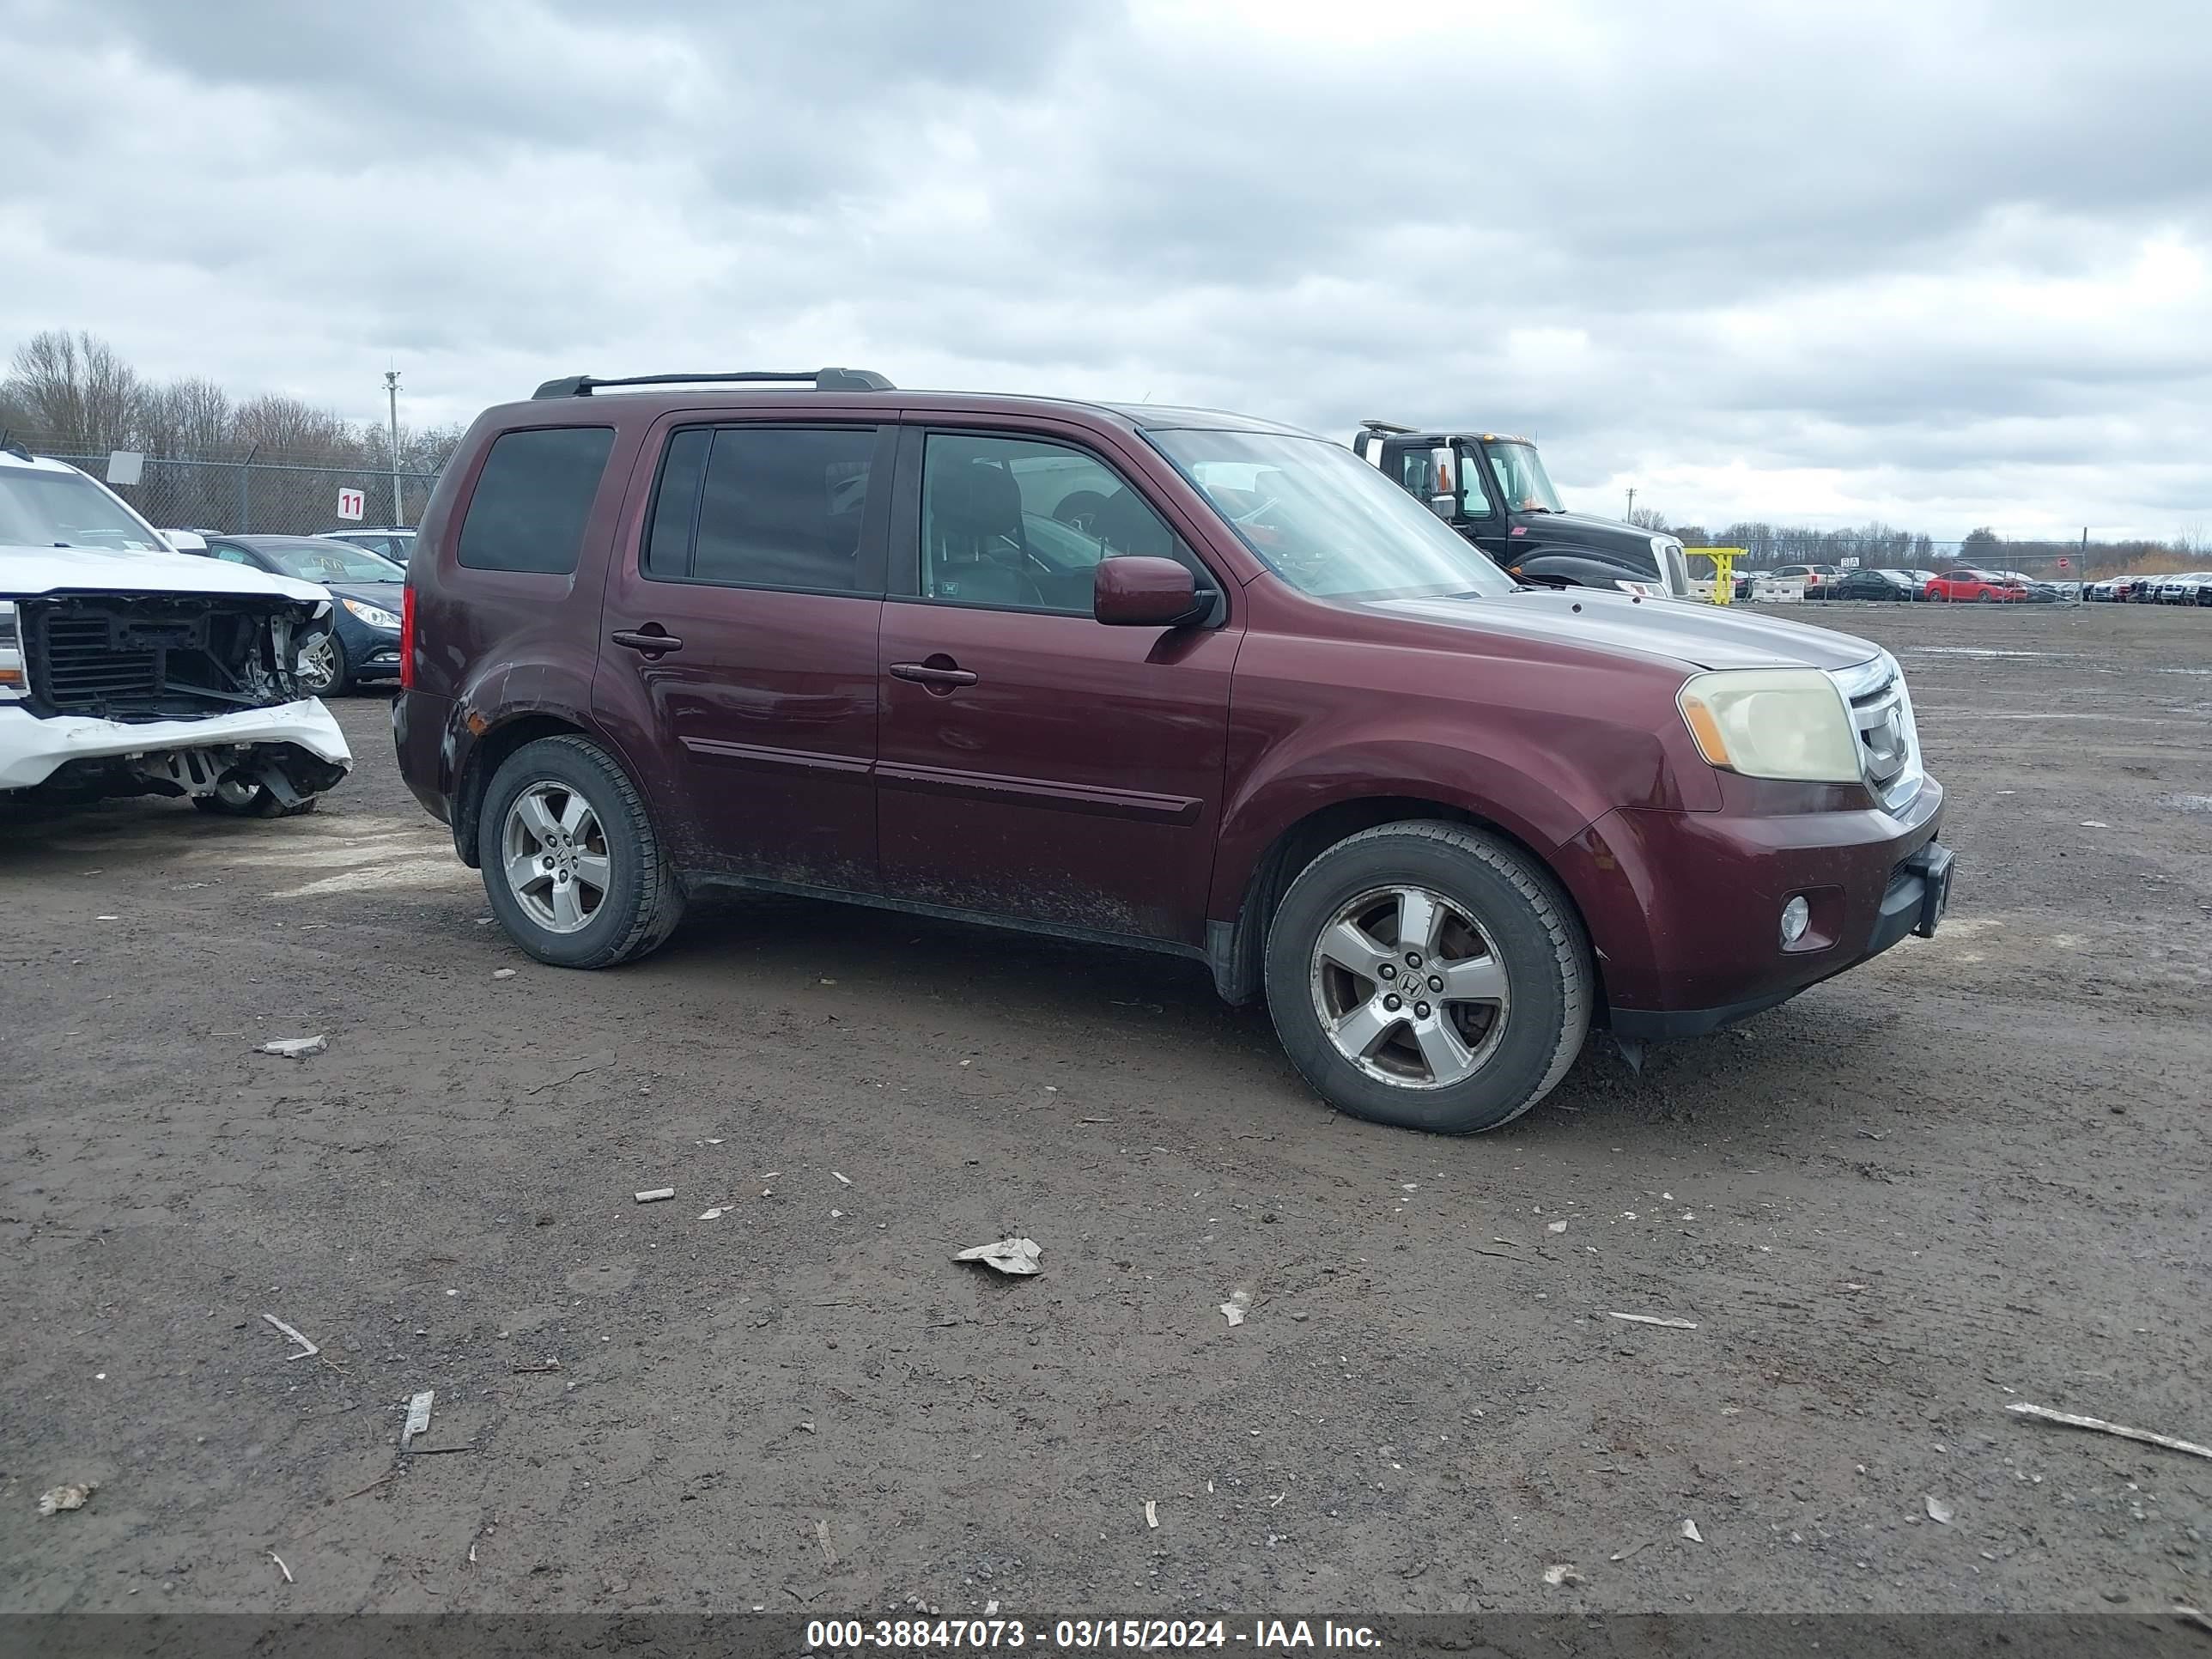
[1631, 515]
[391, 391]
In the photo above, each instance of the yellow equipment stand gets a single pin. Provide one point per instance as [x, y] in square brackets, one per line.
[1723, 560]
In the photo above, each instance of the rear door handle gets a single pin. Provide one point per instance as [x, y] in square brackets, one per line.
[651, 638]
[931, 675]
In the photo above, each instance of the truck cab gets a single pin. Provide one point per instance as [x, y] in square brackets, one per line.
[1492, 488]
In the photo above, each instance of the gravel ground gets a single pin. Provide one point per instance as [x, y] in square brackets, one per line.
[1970, 1174]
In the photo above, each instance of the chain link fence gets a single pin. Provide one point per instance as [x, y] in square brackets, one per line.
[272, 498]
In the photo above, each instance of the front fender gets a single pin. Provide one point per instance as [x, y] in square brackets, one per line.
[1296, 785]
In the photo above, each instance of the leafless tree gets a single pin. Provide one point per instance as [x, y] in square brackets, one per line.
[76, 391]
[188, 417]
[287, 429]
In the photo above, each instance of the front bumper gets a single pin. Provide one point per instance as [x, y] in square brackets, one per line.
[33, 750]
[1684, 907]
[371, 653]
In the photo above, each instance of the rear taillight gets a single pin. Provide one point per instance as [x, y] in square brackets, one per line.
[407, 638]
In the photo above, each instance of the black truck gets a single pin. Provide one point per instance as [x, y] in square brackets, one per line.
[1493, 489]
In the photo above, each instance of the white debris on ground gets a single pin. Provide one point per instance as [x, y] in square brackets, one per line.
[1018, 1256]
[54, 1501]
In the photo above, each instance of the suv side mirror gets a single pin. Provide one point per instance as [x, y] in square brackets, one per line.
[1135, 591]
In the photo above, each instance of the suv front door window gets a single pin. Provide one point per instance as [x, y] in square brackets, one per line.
[759, 559]
[1034, 761]
[1020, 523]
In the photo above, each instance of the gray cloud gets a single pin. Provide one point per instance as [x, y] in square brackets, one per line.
[1947, 262]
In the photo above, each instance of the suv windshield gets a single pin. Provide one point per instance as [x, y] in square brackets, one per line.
[1326, 522]
[39, 509]
[332, 562]
[1520, 475]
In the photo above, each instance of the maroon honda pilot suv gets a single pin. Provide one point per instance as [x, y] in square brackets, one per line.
[1153, 676]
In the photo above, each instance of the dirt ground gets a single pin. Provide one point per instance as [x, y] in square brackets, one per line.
[1970, 1174]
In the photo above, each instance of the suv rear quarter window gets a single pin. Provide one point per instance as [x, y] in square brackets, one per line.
[531, 498]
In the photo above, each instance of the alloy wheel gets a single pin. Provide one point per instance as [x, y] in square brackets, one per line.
[319, 665]
[1409, 988]
[554, 855]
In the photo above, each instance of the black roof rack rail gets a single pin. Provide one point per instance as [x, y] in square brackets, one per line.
[823, 379]
[1385, 426]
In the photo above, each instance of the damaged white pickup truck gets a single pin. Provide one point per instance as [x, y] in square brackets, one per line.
[129, 669]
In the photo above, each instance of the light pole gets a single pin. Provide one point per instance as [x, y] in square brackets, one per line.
[391, 391]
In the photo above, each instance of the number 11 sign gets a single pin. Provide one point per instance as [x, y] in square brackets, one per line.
[350, 502]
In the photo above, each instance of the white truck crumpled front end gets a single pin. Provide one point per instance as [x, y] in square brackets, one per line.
[129, 669]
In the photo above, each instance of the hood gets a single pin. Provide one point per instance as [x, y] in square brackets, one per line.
[28, 572]
[1700, 635]
[1586, 529]
[388, 595]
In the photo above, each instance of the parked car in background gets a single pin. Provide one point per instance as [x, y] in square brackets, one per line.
[1979, 587]
[365, 591]
[2191, 587]
[394, 543]
[130, 669]
[1816, 577]
[1867, 583]
[1168, 677]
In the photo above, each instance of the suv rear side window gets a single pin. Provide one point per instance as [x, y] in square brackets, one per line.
[764, 507]
[533, 497]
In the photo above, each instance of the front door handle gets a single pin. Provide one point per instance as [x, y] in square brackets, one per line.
[938, 673]
[651, 638]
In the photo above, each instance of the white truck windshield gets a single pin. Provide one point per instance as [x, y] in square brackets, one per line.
[39, 508]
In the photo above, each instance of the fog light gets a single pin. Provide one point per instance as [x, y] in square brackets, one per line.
[1796, 917]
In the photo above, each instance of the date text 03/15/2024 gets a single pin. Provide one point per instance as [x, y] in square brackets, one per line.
[1082, 1635]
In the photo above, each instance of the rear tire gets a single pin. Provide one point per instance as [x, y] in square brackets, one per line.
[1446, 1063]
[598, 838]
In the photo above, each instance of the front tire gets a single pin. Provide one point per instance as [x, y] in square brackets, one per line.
[571, 865]
[323, 671]
[237, 796]
[1428, 975]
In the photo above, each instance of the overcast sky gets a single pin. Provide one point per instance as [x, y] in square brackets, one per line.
[1936, 261]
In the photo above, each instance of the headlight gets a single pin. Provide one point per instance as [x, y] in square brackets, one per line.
[1773, 723]
[11, 652]
[374, 615]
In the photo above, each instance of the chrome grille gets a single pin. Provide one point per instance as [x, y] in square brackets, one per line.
[1889, 743]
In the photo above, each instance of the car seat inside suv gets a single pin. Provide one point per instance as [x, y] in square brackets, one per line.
[974, 542]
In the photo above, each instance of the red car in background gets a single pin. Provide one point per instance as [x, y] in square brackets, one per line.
[1980, 586]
